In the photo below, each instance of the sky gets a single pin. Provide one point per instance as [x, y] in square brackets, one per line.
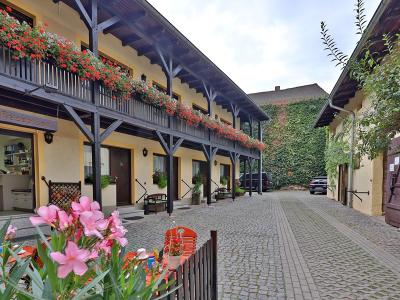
[264, 43]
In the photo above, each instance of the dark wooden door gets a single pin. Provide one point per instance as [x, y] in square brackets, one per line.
[204, 175]
[342, 184]
[175, 179]
[120, 168]
[392, 184]
[225, 171]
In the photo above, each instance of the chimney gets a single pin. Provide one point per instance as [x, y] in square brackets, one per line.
[277, 88]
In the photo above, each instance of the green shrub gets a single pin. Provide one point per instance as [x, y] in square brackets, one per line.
[223, 180]
[105, 180]
[160, 178]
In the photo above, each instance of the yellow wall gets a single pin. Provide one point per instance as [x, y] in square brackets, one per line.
[369, 177]
[63, 20]
[62, 161]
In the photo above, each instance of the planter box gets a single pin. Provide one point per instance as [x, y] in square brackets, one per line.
[109, 195]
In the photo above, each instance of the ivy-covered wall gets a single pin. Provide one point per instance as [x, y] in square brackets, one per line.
[294, 149]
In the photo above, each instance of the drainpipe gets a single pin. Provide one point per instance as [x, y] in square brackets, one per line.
[350, 168]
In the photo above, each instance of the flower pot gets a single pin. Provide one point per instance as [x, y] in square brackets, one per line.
[174, 262]
[196, 199]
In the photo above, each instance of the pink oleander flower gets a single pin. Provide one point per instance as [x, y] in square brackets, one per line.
[115, 219]
[64, 220]
[74, 260]
[93, 222]
[85, 204]
[46, 215]
[94, 254]
[118, 233]
[117, 230]
[11, 232]
[105, 246]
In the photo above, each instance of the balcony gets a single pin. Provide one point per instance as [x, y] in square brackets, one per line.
[58, 81]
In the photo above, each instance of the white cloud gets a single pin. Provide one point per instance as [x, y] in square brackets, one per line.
[261, 43]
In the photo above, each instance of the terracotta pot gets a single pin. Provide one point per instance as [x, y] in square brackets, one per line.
[174, 262]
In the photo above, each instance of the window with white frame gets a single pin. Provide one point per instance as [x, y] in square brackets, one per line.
[87, 159]
[159, 163]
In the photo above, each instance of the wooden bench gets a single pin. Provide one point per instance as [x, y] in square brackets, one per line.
[222, 193]
[155, 203]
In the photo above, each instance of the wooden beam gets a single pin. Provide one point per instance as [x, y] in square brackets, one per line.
[163, 143]
[78, 122]
[135, 17]
[130, 40]
[110, 129]
[108, 23]
[149, 37]
[177, 145]
[83, 13]
[144, 50]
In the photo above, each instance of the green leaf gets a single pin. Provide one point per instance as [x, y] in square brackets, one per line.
[91, 285]
[15, 276]
[3, 230]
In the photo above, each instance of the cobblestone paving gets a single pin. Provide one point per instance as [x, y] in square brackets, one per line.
[289, 245]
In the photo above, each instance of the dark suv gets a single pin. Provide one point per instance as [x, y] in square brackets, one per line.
[266, 182]
[318, 185]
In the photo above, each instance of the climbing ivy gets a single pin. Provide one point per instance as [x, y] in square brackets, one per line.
[336, 154]
[294, 149]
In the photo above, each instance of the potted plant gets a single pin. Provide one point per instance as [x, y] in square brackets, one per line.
[174, 253]
[160, 178]
[196, 192]
[223, 181]
[239, 191]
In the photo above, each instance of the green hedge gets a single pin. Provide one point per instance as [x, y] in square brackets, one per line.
[294, 149]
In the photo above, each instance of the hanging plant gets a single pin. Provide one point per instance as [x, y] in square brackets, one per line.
[36, 43]
[223, 180]
[160, 178]
[379, 79]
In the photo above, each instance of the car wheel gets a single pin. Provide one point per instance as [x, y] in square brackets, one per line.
[312, 192]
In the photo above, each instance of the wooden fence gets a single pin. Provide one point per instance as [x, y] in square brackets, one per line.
[197, 278]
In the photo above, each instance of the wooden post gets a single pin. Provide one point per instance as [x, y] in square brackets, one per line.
[214, 286]
[250, 160]
[234, 157]
[169, 148]
[170, 175]
[235, 110]
[96, 158]
[260, 166]
[245, 173]
[96, 144]
[209, 152]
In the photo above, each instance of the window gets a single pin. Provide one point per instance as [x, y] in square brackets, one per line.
[164, 89]
[195, 169]
[87, 159]
[200, 109]
[159, 163]
[110, 61]
[17, 14]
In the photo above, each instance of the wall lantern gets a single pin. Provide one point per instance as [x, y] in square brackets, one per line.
[215, 163]
[145, 152]
[48, 137]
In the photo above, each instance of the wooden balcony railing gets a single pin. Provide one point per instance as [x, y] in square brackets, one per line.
[46, 74]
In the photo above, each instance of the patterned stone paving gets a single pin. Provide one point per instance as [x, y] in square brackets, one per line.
[289, 245]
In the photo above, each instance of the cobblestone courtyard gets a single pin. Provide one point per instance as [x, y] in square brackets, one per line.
[290, 245]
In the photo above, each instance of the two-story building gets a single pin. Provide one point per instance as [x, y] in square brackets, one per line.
[59, 128]
[366, 185]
